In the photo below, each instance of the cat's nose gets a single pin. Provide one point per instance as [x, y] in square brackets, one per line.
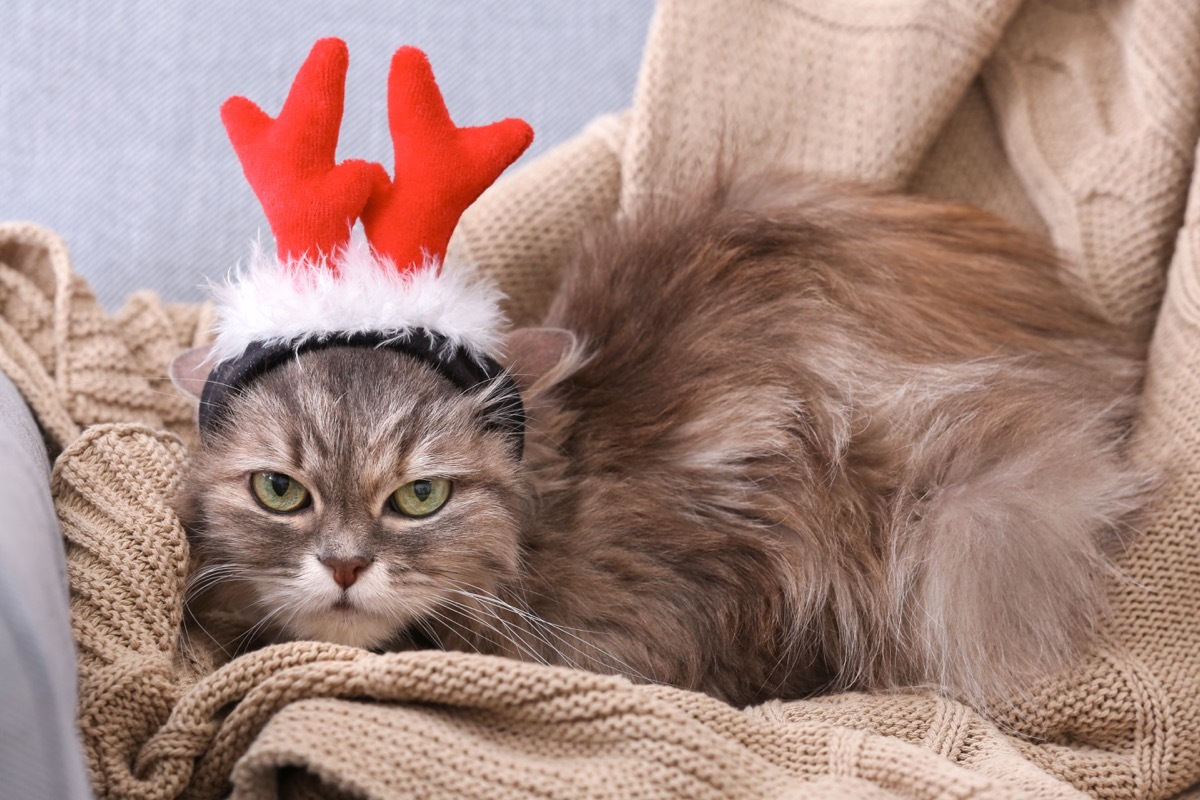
[346, 570]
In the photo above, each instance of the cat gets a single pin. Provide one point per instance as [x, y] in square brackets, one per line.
[784, 437]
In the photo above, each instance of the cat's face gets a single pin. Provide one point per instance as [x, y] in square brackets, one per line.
[352, 493]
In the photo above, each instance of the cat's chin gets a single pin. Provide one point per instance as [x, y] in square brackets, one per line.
[346, 625]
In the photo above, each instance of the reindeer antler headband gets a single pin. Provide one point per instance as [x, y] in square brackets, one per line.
[392, 290]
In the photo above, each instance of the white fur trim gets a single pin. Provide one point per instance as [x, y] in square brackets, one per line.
[275, 303]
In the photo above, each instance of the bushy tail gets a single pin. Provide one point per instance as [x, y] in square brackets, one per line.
[998, 568]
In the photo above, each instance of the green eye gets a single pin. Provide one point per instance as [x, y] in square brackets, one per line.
[420, 498]
[278, 492]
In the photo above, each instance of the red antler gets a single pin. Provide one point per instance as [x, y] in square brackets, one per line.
[310, 202]
[440, 168]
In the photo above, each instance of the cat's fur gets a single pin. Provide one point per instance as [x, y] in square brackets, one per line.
[811, 437]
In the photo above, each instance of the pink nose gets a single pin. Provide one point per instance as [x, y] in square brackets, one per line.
[346, 570]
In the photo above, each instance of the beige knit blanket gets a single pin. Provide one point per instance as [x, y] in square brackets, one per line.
[1075, 118]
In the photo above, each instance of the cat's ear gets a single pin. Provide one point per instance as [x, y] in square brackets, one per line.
[539, 357]
[189, 370]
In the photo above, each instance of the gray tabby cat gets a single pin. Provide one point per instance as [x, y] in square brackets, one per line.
[785, 439]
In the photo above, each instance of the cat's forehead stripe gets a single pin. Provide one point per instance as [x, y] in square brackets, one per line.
[471, 374]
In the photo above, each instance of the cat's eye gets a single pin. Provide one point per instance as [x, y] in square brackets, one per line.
[278, 492]
[420, 498]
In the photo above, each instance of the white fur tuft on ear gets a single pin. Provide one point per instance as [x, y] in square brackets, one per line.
[190, 369]
[278, 303]
[538, 358]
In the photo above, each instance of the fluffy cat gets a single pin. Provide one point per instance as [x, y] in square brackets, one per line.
[783, 438]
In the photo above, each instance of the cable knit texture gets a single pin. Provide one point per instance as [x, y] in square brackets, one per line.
[1076, 119]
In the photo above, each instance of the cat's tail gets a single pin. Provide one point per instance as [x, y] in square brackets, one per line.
[1002, 550]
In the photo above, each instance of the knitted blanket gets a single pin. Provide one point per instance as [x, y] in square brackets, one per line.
[1078, 119]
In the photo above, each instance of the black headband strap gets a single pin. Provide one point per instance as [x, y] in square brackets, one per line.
[469, 373]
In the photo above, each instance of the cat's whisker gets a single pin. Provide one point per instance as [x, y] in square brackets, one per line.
[423, 624]
[487, 619]
[525, 614]
[543, 629]
[208, 577]
[510, 635]
[513, 637]
[225, 647]
[187, 645]
[464, 632]
[249, 635]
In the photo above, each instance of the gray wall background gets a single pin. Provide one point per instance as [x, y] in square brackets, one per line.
[109, 127]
